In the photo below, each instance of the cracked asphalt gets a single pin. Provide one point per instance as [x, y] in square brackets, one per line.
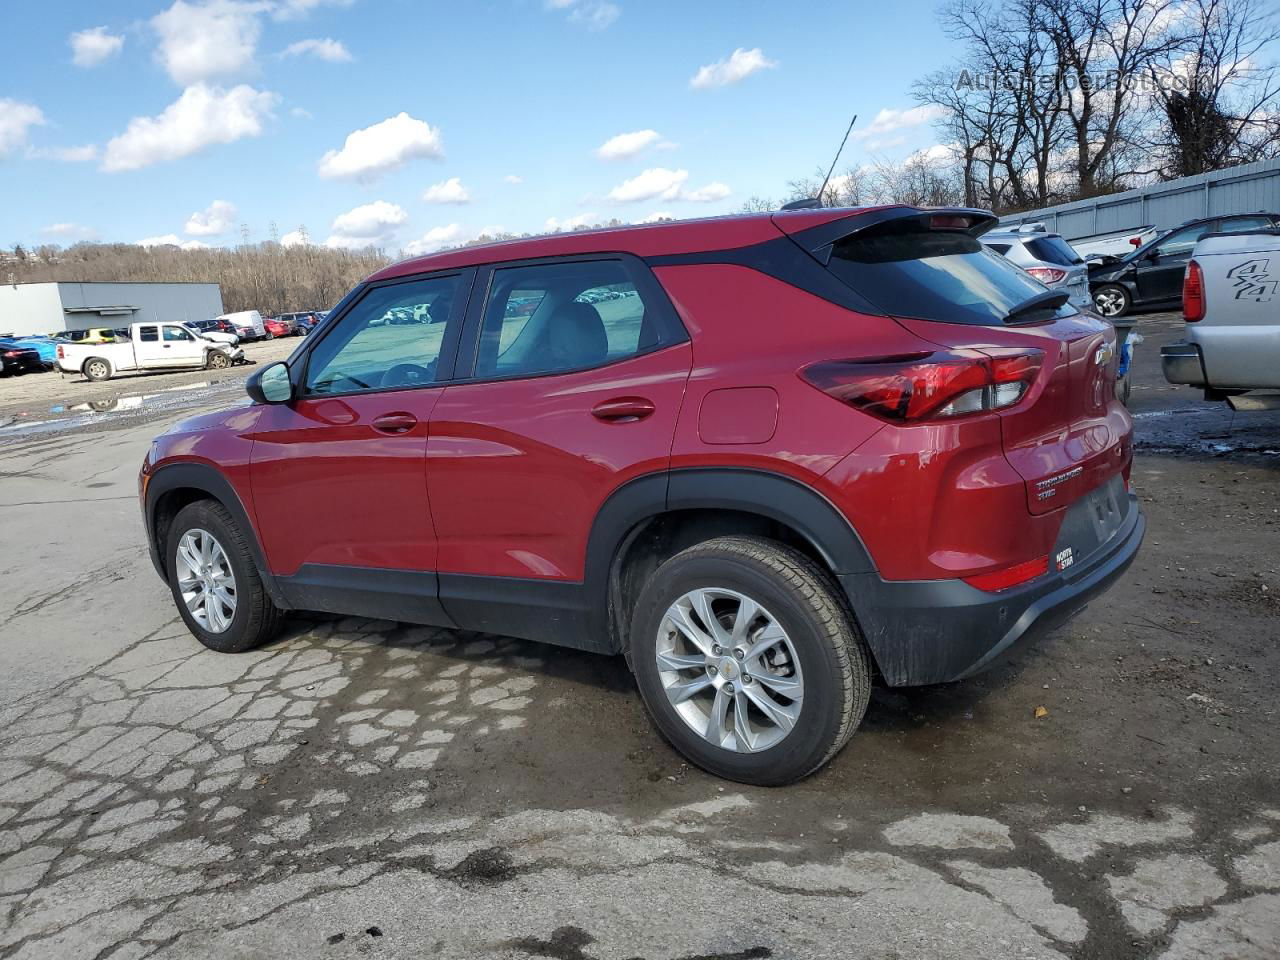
[370, 789]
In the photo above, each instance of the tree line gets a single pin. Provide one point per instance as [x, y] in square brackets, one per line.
[266, 276]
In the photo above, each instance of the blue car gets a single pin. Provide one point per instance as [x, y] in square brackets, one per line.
[45, 346]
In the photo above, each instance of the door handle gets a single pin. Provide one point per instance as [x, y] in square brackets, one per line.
[394, 423]
[623, 409]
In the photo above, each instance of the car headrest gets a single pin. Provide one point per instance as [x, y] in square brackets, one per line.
[576, 336]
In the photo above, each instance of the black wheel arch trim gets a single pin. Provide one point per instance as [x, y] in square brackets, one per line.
[207, 479]
[743, 489]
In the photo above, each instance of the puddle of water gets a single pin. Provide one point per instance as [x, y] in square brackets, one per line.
[130, 402]
[68, 416]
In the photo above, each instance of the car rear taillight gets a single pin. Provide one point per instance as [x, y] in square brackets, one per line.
[923, 386]
[12, 353]
[1010, 576]
[61, 355]
[1047, 275]
[1193, 293]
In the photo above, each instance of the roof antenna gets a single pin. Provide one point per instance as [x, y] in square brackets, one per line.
[810, 203]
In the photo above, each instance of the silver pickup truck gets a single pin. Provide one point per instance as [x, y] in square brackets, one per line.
[1231, 304]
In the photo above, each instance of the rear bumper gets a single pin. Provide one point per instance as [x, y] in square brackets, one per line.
[934, 631]
[1183, 363]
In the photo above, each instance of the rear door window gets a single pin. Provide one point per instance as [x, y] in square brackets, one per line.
[909, 270]
[1053, 250]
[148, 334]
[552, 318]
[1241, 224]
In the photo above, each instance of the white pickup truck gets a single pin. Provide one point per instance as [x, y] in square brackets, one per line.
[1231, 304]
[150, 346]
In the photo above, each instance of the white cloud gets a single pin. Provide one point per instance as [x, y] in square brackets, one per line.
[83, 154]
[296, 9]
[368, 225]
[592, 14]
[370, 219]
[301, 112]
[16, 119]
[91, 47]
[447, 191]
[215, 219]
[437, 238]
[889, 121]
[888, 143]
[200, 41]
[938, 153]
[201, 117]
[659, 183]
[322, 49]
[651, 184]
[627, 145]
[372, 151]
[172, 240]
[708, 194]
[76, 231]
[513, 179]
[734, 69]
[295, 238]
[571, 223]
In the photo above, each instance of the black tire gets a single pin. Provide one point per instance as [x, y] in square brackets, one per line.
[1115, 301]
[97, 369]
[810, 607]
[256, 619]
[217, 360]
[1124, 388]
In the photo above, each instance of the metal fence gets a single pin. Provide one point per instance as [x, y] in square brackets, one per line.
[1248, 188]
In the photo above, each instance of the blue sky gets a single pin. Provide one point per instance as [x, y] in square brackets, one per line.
[183, 120]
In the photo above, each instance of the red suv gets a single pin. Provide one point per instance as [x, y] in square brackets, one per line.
[763, 457]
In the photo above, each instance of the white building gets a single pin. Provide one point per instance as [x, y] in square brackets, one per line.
[27, 308]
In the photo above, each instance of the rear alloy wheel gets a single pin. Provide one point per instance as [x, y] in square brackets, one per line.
[215, 582]
[744, 695]
[748, 660]
[97, 369]
[1112, 301]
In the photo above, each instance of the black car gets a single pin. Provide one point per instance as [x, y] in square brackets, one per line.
[16, 360]
[1151, 276]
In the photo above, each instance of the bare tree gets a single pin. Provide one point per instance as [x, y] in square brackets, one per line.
[1218, 92]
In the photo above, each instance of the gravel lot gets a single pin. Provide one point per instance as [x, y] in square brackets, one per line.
[366, 789]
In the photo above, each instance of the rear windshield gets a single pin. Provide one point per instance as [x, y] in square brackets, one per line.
[909, 271]
[1052, 250]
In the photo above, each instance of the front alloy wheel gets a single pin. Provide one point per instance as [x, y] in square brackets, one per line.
[206, 581]
[215, 581]
[729, 670]
[1111, 301]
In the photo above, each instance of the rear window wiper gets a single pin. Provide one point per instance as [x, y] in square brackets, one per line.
[1049, 300]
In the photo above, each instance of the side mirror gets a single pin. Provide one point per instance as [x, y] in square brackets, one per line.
[271, 384]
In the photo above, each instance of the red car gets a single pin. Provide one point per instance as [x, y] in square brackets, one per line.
[279, 327]
[765, 458]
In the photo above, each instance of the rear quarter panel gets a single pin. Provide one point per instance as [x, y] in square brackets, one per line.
[1239, 336]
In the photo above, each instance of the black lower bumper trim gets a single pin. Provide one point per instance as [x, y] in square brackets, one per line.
[934, 631]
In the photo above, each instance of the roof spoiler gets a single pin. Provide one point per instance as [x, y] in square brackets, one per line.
[819, 240]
